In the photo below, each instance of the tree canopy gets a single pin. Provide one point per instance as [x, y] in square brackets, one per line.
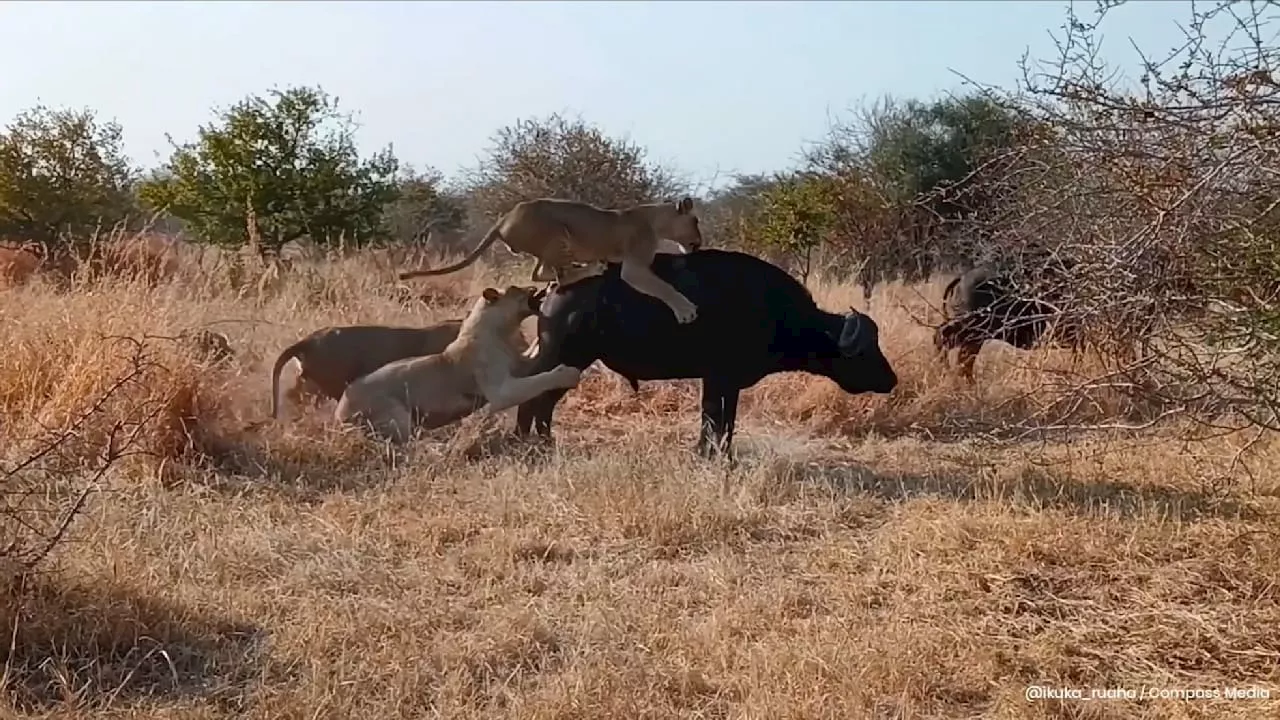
[62, 173]
[291, 159]
[558, 157]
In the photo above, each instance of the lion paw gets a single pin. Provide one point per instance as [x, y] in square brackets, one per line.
[567, 375]
[686, 314]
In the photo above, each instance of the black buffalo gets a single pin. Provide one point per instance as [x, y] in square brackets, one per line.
[753, 320]
[983, 305]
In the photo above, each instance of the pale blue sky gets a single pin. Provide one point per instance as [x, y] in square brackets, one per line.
[713, 88]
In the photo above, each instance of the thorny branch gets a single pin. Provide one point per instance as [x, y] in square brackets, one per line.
[42, 493]
[1147, 211]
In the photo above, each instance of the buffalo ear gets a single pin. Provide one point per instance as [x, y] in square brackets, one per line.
[684, 206]
[490, 295]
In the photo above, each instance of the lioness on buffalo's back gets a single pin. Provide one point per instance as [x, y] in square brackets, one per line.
[477, 370]
[561, 232]
[755, 320]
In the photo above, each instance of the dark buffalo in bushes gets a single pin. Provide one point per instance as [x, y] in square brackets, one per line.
[983, 305]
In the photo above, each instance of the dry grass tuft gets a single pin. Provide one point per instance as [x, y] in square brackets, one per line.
[866, 558]
[104, 645]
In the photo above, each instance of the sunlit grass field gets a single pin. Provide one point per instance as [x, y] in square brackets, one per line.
[867, 558]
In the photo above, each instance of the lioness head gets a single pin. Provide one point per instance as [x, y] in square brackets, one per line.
[680, 225]
[512, 305]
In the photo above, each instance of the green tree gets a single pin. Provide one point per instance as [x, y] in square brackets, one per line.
[557, 157]
[62, 172]
[909, 149]
[796, 215]
[912, 180]
[728, 213]
[291, 160]
[926, 148]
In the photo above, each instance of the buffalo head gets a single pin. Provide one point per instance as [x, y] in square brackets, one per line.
[859, 365]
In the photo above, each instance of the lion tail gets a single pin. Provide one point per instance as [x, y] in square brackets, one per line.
[286, 355]
[495, 233]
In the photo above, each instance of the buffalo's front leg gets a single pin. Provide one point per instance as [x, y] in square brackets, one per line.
[719, 415]
[541, 357]
[536, 412]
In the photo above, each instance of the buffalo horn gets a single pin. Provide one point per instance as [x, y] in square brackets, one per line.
[851, 333]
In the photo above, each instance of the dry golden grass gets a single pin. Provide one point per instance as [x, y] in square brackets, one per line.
[17, 264]
[866, 559]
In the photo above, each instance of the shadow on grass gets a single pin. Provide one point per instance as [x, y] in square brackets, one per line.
[307, 463]
[1036, 487]
[93, 647]
[302, 460]
[1061, 409]
[249, 470]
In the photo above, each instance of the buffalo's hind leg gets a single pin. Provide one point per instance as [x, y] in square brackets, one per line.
[966, 357]
[719, 415]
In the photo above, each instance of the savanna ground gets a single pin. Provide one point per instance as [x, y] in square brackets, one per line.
[867, 558]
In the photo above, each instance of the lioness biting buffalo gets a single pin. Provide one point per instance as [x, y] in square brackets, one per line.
[477, 371]
[331, 358]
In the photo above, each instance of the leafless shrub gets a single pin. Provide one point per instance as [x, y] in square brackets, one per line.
[559, 157]
[62, 464]
[1149, 216]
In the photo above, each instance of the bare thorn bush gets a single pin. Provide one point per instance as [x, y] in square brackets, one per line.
[1144, 211]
